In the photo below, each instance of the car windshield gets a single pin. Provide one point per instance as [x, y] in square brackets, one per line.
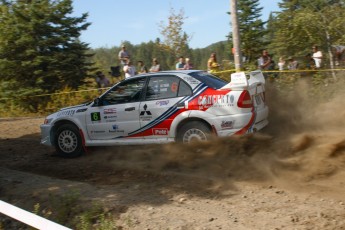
[210, 80]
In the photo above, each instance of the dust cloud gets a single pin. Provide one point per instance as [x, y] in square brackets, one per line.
[303, 144]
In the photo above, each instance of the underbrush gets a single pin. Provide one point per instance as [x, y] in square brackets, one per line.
[50, 103]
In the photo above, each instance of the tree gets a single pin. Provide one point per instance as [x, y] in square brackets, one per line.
[39, 48]
[303, 23]
[175, 39]
[251, 29]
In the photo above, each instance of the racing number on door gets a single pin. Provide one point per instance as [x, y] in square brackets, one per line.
[96, 116]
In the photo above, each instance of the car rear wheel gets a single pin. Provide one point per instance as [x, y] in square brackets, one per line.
[194, 131]
[68, 142]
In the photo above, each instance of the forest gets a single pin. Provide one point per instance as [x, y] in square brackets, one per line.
[44, 65]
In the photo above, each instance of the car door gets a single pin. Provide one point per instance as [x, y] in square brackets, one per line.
[117, 112]
[159, 106]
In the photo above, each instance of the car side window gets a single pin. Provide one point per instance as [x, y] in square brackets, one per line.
[184, 89]
[127, 91]
[162, 87]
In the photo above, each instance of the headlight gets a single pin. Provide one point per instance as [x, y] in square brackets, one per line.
[47, 121]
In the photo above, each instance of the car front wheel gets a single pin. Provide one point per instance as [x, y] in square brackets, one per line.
[68, 142]
[194, 131]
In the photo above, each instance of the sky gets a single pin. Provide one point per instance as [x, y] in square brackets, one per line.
[137, 21]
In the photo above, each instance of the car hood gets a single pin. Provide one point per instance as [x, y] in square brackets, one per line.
[75, 106]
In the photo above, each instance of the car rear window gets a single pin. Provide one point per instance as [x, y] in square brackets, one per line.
[209, 79]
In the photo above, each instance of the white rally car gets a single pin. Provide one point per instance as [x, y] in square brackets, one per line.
[159, 108]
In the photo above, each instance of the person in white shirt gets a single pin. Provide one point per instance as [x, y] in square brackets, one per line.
[317, 56]
[281, 63]
[129, 69]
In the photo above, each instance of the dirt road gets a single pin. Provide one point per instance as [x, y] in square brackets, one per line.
[289, 176]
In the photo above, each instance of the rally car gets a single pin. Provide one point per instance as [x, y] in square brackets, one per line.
[161, 107]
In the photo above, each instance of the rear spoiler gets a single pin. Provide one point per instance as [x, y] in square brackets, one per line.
[240, 81]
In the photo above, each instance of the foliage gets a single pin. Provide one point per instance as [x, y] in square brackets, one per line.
[252, 29]
[175, 39]
[39, 49]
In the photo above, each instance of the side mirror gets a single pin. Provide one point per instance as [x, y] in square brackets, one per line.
[97, 102]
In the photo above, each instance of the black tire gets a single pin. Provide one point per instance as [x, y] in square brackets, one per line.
[194, 131]
[68, 142]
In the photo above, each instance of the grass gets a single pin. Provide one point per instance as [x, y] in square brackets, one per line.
[71, 211]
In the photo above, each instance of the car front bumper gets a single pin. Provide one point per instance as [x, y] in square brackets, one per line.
[46, 135]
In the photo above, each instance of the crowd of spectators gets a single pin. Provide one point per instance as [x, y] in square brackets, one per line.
[311, 61]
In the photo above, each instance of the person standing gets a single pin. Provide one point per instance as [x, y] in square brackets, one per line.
[155, 66]
[317, 56]
[102, 81]
[309, 61]
[281, 63]
[212, 64]
[180, 64]
[188, 64]
[123, 55]
[141, 67]
[265, 61]
[293, 64]
[129, 69]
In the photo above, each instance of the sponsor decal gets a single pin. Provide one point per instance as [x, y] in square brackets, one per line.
[191, 80]
[160, 132]
[142, 113]
[115, 129]
[232, 98]
[145, 115]
[227, 124]
[109, 111]
[97, 131]
[96, 116]
[110, 117]
[111, 120]
[66, 113]
[206, 101]
[161, 103]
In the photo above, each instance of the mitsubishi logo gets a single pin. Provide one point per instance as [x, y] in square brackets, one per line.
[145, 111]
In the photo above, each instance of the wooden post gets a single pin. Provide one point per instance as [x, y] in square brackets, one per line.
[236, 36]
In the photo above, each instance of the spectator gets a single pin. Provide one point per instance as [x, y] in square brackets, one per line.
[180, 64]
[212, 64]
[281, 63]
[188, 64]
[310, 62]
[338, 51]
[141, 67]
[123, 55]
[101, 80]
[317, 56]
[129, 69]
[265, 61]
[293, 64]
[155, 66]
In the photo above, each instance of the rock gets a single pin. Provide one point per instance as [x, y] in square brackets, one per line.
[182, 199]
